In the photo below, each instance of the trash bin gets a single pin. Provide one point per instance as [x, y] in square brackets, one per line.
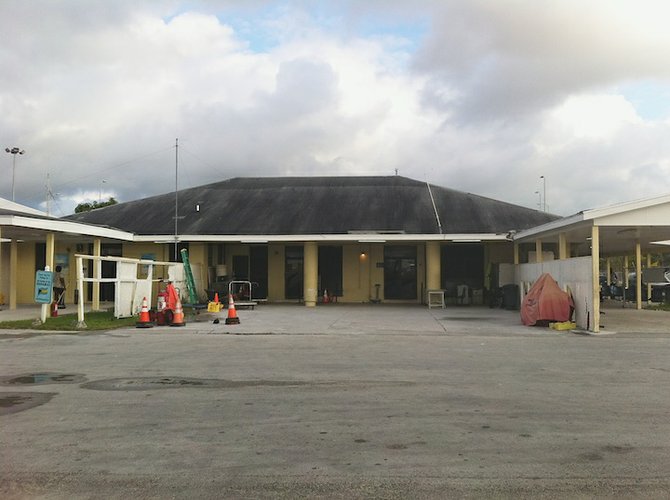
[511, 297]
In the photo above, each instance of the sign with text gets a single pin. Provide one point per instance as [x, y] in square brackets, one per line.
[43, 287]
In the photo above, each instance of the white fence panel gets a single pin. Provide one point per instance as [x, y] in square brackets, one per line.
[573, 274]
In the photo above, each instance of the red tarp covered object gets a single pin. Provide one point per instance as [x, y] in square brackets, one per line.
[546, 302]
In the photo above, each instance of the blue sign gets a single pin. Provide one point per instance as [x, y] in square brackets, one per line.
[44, 287]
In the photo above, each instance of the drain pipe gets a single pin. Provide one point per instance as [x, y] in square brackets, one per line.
[437, 216]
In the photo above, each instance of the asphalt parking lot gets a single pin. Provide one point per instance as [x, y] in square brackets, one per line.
[341, 402]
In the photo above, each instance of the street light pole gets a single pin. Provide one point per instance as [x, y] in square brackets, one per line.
[14, 151]
[103, 181]
[544, 191]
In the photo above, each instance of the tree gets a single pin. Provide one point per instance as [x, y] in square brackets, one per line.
[87, 207]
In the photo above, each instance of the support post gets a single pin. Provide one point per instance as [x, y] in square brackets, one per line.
[433, 270]
[609, 271]
[538, 251]
[311, 272]
[648, 285]
[595, 269]
[563, 246]
[13, 273]
[80, 285]
[625, 272]
[97, 274]
[1, 261]
[638, 276]
[50, 261]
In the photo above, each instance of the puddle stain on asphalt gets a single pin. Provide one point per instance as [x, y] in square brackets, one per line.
[150, 383]
[14, 402]
[43, 378]
[601, 453]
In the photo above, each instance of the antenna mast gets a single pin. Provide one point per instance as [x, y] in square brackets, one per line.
[176, 198]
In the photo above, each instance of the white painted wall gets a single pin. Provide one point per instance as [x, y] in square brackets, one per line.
[575, 274]
[546, 256]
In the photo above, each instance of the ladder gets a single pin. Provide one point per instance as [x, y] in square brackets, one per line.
[190, 282]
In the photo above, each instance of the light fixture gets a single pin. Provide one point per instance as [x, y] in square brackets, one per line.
[372, 240]
[14, 151]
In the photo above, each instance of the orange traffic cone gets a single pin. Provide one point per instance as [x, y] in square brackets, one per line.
[326, 299]
[232, 318]
[178, 317]
[145, 318]
[216, 297]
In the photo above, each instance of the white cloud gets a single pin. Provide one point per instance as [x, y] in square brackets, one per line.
[585, 117]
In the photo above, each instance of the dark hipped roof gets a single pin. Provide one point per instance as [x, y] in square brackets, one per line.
[316, 205]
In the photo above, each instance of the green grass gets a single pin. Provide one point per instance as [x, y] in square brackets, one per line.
[659, 307]
[103, 320]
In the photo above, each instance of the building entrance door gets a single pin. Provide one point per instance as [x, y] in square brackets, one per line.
[400, 273]
[293, 272]
[258, 270]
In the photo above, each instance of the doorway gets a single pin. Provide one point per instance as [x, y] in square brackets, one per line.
[400, 273]
[109, 269]
[240, 267]
[462, 269]
[258, 271]
[294, 272]
[330, 270]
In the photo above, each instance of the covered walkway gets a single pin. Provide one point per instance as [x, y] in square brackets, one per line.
[630, 232]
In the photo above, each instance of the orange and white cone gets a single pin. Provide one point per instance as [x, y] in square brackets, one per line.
[145, 318]
[232, 318]
[216, 297]
[178, 317]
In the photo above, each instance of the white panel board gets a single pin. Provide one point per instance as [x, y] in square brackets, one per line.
[124, 289]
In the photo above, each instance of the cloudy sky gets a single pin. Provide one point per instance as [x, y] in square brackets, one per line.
[484, 96]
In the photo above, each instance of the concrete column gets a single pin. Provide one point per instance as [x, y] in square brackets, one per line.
[563, 246]
[1, 269]
[51, 251]
[538, 251]
[97, 273]
[638, 276]
[433, 270]
[516, 253]
[50, 263]
[648, 286]
[13, 273]
[595, 266]
[311, 272]
[625, 273]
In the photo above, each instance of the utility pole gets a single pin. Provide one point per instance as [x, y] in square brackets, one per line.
[544, 192]
[176, 198]
[103, 181]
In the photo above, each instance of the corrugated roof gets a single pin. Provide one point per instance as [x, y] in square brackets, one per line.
[316, 205]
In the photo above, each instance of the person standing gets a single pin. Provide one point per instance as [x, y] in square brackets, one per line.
[59, 287]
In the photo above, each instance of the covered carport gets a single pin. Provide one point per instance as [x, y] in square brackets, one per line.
[21, 225]
[572, 248]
